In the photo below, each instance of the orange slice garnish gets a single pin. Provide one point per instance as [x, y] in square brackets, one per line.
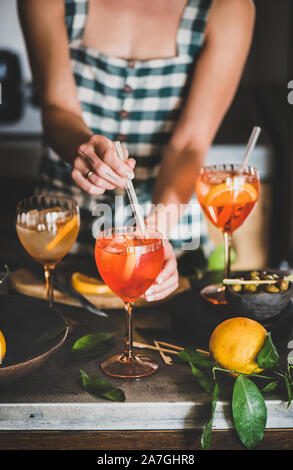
[118, 255]
[128, 266]
[65, 230]
[234, 193]
[2, 347]
[88, 285]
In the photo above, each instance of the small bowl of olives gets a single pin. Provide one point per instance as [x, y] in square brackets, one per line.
[260, 295]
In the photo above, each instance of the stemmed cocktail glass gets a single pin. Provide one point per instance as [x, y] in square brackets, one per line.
[227, 194]
[47, 226]
[129, 263]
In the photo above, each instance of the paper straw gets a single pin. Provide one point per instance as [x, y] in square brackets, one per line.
[132, 196]
[250, 145]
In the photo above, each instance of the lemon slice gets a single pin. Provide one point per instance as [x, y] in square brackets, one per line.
[88, 285]
[233, 193]
[68, 227]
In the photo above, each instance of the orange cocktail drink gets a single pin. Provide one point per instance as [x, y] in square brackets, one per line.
[227, 195]
[129, 263]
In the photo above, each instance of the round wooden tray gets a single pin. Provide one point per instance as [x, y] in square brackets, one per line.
[25, 282]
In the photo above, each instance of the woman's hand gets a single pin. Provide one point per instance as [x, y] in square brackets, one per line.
[97, 166]
[167, 280]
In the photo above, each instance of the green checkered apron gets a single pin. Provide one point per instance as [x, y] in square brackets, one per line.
[138, 103]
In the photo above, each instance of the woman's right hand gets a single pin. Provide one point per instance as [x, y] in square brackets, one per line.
[99, 157]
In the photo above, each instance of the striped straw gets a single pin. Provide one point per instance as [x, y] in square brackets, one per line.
[132, 195]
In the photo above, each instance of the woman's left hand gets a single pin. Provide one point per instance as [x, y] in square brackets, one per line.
[168, 279]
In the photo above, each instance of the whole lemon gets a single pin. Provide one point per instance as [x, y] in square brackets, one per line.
[235, 344]
[2, 347]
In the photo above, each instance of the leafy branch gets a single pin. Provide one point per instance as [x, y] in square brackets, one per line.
[248, 405]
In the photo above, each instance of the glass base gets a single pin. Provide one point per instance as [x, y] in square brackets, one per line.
[215, 293]
[133, 368]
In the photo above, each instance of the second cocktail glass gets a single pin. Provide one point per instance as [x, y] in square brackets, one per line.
[227, 194]
[47, 226]
[129, 264]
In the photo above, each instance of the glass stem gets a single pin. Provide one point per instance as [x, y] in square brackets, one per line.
[227, 243]
[128, 347]
[49, 285]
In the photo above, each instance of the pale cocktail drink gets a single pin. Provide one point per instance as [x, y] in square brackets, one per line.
[47, 227]
[49, 242]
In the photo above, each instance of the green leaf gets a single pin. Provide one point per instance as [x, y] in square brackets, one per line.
[268, 356]
[206, 436]
[197, 358]
[92, 345]
[205, 381]
[51, 334]
[270, 386]
[99, 387]
[249, 411]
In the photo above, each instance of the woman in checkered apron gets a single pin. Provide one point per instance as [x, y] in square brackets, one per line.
[96, 68]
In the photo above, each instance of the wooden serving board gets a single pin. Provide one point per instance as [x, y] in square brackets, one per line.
[24, 282]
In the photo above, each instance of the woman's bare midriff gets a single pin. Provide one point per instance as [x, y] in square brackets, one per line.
[134, 29]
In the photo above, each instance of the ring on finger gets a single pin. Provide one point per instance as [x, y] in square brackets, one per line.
[89, 173]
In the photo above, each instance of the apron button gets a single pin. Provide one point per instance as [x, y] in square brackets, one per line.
[127, 89]
[124, 114]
